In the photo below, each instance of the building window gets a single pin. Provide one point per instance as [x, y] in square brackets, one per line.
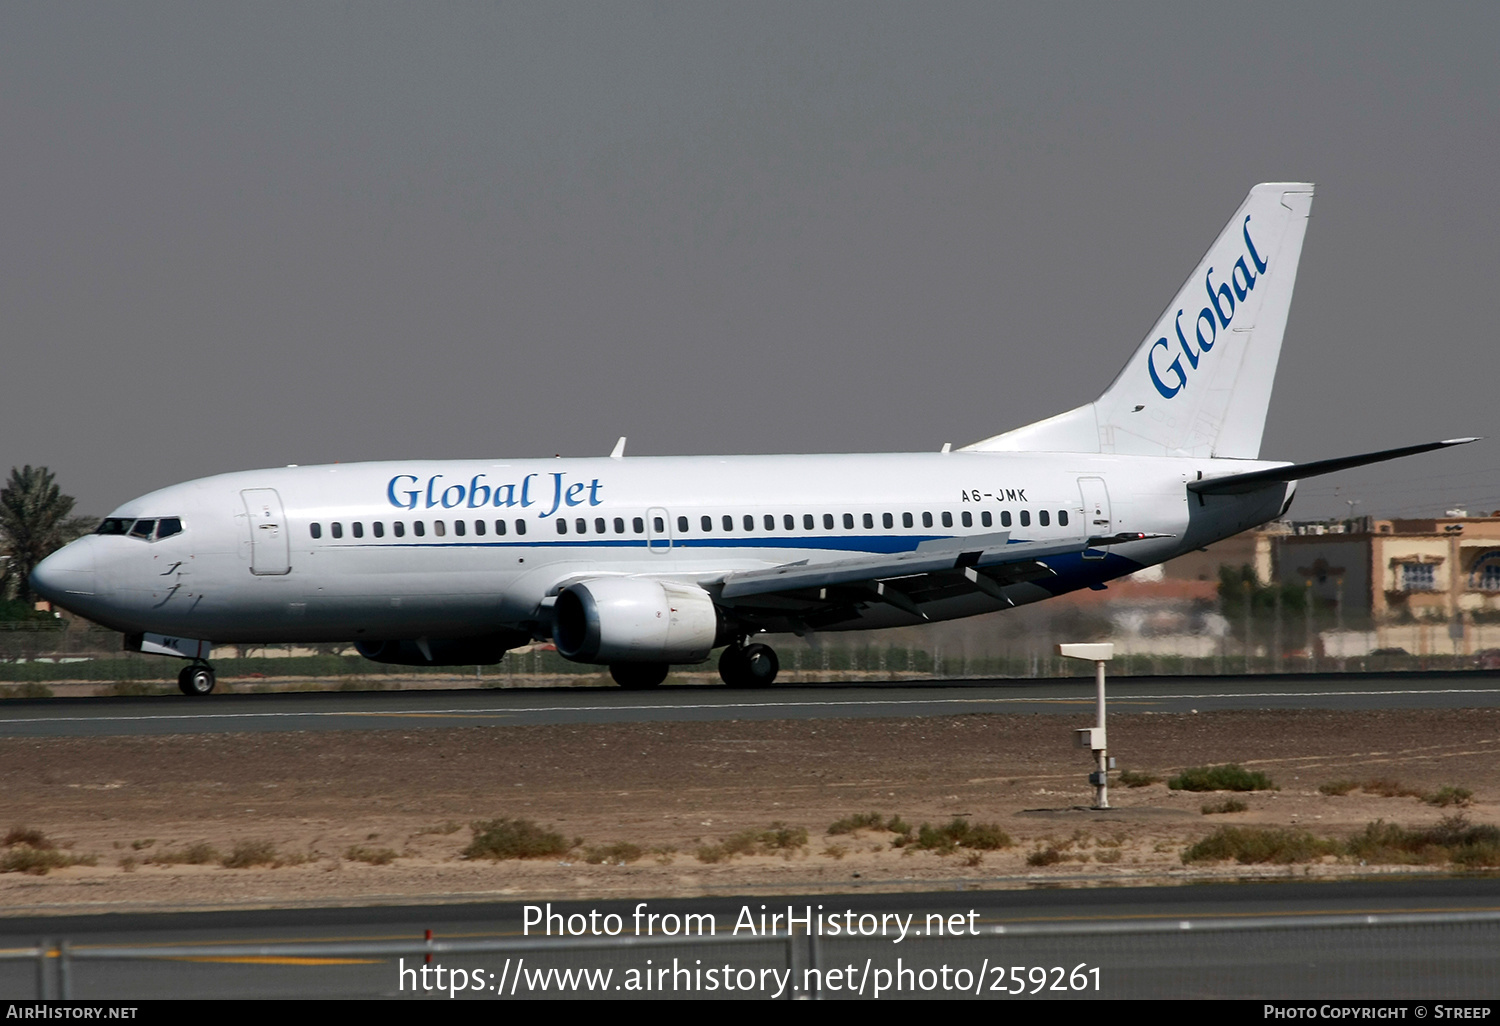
[1419, 577]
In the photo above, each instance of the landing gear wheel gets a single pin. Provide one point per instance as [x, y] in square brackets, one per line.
[638, 676]
[196, 680]
[754, 666]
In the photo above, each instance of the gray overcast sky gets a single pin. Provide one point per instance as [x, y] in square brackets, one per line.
[240, 235]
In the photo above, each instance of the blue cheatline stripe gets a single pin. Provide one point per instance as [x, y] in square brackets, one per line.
[884, 545]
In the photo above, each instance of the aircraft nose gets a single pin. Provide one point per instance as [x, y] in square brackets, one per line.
[68, 571]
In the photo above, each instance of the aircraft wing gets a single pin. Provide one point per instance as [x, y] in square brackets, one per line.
[823, 593]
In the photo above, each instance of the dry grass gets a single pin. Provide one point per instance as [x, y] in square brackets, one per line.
[199, 854]
[248, 854]
[618, 854]
[371, 856]
[1227, 805]
[1221, 778]
[1260, 845]
[1137, 778]
[777, 839]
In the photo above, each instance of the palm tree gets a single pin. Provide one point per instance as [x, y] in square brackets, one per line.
[34, 522]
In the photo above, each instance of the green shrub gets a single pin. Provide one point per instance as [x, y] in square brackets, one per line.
[39, 861]
[1452, 839]
[961, 834]
[29, 836]
[507, 838]
[199, 854]
[1337, 788]
[856, 822]
[1136, 778]
[1258, 845]
[1221, 778]
[778, 838]
[1049, 856]
[1385, 787]
[1447, 796]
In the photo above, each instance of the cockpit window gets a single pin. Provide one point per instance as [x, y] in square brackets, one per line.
[167, 527]
[143, 528]
[114, 525]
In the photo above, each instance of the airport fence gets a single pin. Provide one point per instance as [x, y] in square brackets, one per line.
[1437, 955]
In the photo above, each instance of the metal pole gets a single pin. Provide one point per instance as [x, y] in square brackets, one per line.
[64, 972]
[1307, 609]
[43, 947]
[1101, 795]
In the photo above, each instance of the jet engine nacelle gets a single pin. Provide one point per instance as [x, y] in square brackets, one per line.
[634, 620]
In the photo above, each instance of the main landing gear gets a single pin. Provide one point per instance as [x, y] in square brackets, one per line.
[196, 679]
[748, 666]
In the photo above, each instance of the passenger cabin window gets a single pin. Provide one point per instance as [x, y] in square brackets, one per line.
[967, 518]
[947, 519]
[848, 521]
[358, 529]
[658, 525]
[986, 520]
[828, 521]
[562, 526]
[520, 527]
[770, 519]
[789, 522]
[619, 525]
[728, 522]
[926, 519]
[419, 529]
[582, 525]
[338, 530]
[887, 521]
[379, 529]
[316, 530]
[1043, 518]
[499, 526]
[869, 521]
[636, 524]
[479, 527]
[707, 523]
[599, 527]
[460, 528]
[168, 526]
[1062, 518]
[399, 529]
[113, 525]
[438, 529]
[682, 524]
[807, 521]
[749, 521]
[1025, 518]
[1005, 518]
[906, 520]
[143, 528]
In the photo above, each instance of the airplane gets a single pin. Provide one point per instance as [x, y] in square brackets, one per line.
[643, 563]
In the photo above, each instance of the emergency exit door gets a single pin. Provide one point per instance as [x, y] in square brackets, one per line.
[270, 542]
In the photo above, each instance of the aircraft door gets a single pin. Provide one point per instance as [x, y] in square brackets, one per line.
[658, 530]
[1096, 515]
[270, 541]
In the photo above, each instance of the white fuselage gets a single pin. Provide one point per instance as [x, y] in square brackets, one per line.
[408, 550]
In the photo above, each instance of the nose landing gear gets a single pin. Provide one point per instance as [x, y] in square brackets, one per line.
[196, 679]
[749, 666]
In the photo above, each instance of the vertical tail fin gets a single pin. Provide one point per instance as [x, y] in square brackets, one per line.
[1200, 384]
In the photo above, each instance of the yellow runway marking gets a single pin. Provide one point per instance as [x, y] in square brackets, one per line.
[277, 960]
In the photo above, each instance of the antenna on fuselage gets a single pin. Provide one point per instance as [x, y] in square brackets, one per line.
[618, 451]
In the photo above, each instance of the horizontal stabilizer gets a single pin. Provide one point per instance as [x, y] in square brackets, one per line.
[1239, 484]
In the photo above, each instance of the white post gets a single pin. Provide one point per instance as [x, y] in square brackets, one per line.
[1095, 738]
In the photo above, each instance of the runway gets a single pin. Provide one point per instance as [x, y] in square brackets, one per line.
[1194, 956]
[420, 710]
